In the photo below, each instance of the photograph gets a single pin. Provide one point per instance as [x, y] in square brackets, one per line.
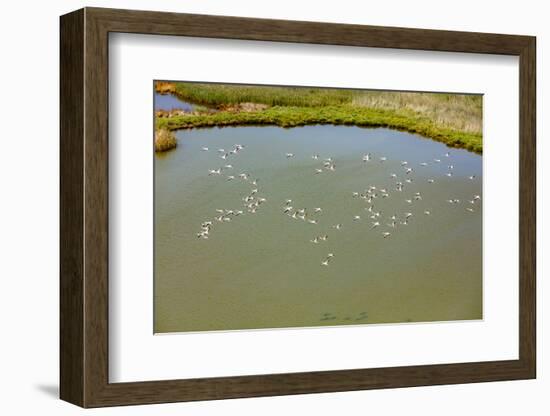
[299, 207]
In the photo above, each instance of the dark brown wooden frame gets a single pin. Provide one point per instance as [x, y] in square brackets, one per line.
[84, 207]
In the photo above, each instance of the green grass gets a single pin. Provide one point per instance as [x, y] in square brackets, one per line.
[223, 94]
[453, 119]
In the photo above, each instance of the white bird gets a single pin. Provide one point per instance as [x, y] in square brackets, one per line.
[228, 166]
[289, 155]
[326, 261]
[315, 157]
[204, 149]
[431, 181]
[366, 157]
[355, 194]
[427, 212]
[356, 218]
[408, 215]
[337, 226]
[386, 234]
[476, 197]
[423, 164]
[408, 180]
[375, 224]
[449, 174]
[214, 172]
[470, 209]
[472, 177]
[317, 171]
[383, 159]
[287, 209]
[393, 175]
[315, 240]
[404, 163]
[312, 221]
[323, 237]
[224, 156]
[221, 150]
[317, 210]
[408, 201]
[450, 167]
[244, 175]
[437, 160]
[408, 170]
[447, 154]
[230, 177]
[288, 201]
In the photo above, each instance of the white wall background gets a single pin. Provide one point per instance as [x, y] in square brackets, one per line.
[29, 85]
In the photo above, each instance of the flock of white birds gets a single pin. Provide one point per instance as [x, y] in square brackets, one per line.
[386, 225]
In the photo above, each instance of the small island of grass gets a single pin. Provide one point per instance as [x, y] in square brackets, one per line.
[454, 119]
[164, 140]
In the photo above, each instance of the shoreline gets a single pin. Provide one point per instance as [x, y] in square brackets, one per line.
[445, 118]
[288, 117]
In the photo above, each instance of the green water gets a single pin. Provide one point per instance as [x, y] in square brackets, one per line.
[261, 270]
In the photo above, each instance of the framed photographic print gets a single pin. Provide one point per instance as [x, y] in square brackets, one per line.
[255, 207]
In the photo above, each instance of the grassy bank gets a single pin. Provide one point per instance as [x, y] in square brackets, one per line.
[449, 118]
[164, 140]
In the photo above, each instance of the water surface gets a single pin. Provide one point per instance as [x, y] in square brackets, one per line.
[261, 270]
[170, 102]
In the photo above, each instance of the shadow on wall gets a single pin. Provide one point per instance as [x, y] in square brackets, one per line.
[49, 390]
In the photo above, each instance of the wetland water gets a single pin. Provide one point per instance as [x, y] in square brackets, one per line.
[264, 269]
[170, 102]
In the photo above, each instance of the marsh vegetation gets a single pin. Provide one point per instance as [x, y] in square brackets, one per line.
[454, 119]
[164, 140]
